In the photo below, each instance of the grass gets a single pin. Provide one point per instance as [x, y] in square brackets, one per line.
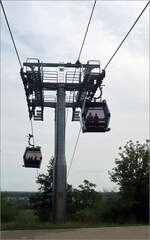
[67, 225]
[26, 220]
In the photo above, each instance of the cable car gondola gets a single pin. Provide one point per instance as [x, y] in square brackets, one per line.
[32, 156]
[95, 116]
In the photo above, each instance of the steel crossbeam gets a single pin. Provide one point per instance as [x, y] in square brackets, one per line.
[65, 65]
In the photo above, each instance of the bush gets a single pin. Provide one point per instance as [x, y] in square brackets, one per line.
[41, 206]
[110, 208]
[26, 216]
[84, 216]
[9, 209]
[44, 214]
[114, 208]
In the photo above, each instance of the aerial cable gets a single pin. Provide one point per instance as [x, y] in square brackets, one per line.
[127, 35]
[104, 69]
[74, 75]
[75, 72]
[87, 30]
[82, 46]
[74, 152]
[14, 44]
[11, 34]
[105, 65]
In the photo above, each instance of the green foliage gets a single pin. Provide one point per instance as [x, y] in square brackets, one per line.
[85, 216]
[132, 170]
[81, 202]
[132, 175]
[113, 208]
[46, 180]
[82, 198]
[86, 205]
[42, 206]
[87, 195]
[42, 201]
[26, 216]
[8, 209]
[44, 214]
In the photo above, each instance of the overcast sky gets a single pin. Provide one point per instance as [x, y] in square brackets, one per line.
[53, 32]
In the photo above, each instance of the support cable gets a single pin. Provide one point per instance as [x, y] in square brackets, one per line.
[73, 79]
[82, 48]
[74, 152]
[87, 30]
[127, 35]
[105, 66]
[11, 34]
[14, 44]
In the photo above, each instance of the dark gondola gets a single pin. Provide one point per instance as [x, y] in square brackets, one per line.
[95, 117]
[32, 157]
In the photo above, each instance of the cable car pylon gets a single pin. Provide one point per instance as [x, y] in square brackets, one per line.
[41, 78]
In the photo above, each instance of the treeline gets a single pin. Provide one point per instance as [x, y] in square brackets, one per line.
[85, 204]
[20, 199]
[18, 194]
[130, 204]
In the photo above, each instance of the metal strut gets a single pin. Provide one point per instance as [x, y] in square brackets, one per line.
[29, 139]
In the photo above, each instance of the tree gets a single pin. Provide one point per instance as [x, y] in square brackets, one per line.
[46, 180]
[42, 201]
[82, 202]
[132, 175]
[77, 199]
[85, 197]
[88, 195]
